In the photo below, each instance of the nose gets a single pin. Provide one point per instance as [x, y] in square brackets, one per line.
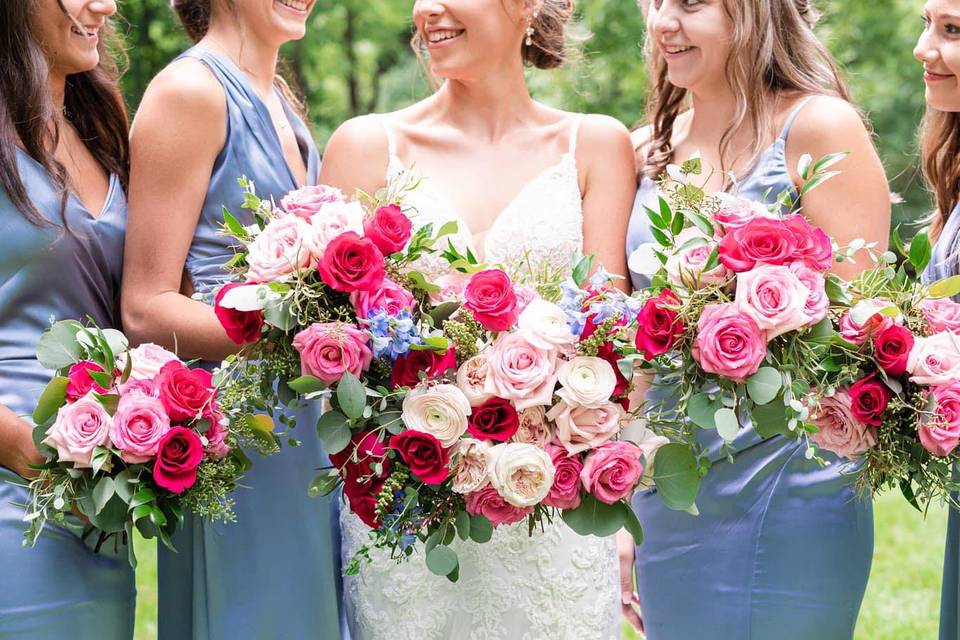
[663, 19]
[925, 51]
[104, 8]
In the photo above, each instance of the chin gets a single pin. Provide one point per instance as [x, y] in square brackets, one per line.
[941, 102]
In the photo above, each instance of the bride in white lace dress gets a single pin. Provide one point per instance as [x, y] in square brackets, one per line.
[527, 183]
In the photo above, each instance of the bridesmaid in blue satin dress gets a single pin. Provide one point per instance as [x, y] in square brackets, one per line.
[61, 253]
[781, 547]
[939, 51]
[217, 113]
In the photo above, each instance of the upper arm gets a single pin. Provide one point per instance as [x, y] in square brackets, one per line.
[606, 154]
[855, 203]
[175, 139]
[356, 156]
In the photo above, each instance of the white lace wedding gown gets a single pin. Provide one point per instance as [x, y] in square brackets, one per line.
[555, 584]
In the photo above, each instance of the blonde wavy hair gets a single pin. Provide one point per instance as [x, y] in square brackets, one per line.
[774, 51]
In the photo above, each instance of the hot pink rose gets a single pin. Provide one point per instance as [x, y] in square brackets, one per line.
[138, 425]
[565, 492]
[186, 393]
[852, 332]
[659, 325]
[891, 349]
[79, 428]
[581, 428]
[80, 382]
[774, 297]
[839, 430]
[308, 200]
[390, 296]
[328, 350]
[521, 372]
[817, 302]
[729, 343]
[336, 219]
[813, 246]
[487, 502]
[216, 436]
[759, 241]
[940, 434]
[278, 251]
[351, 263]
[491, 297]
[612, 470]
[941, 315]
[179, 453]
[935, 360]
[389, 229]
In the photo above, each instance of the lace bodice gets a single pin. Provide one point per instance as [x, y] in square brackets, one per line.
[554, 584]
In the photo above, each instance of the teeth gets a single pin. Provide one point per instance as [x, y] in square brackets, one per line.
[677, 49]
[440, 36]
[294, 4]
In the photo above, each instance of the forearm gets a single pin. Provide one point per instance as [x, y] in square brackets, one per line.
[17, 450]
[172, 320]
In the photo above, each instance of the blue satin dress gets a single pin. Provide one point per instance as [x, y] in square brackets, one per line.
[943, 264]
[782, 547]
[60, 588]
[274, 573]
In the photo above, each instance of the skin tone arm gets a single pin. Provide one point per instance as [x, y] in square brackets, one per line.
[178, 132]
[356, 156]
[17, 450]
[856, 203]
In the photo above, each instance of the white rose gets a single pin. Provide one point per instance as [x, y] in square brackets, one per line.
[545, 325]
[935, 360]
[470, 466]
[648, 442]
[521, 473]
[586, 381]
[582, 428]
[440, 411]
[334, 218]
[472, 380]
[534, 427]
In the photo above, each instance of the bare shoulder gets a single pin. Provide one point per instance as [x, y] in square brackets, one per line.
[185, 87]
[600, 131]
[356, 155]
[827, 120]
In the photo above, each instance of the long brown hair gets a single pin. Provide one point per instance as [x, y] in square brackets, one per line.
[940, 151]
[774, 51]
[195, 16]
[93, 105]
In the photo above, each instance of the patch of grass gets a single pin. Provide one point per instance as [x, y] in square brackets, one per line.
[902, 601]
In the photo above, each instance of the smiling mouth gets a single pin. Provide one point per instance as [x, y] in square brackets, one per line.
[673, 50]
[435, 37]
[296, 5]
[84, 32]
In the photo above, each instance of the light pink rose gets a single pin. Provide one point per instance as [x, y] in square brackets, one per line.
[940, 433]
[581, 428]
[279, 250]
[472, 380]
[138, 425]
[525, 295]
[308, 200]
[935, 360]
[685, 266]
[534, 427]
[148, 359]
[390, 296]
[611, 471]
[864, 319]
[451, 286]
[941, 315]
[79, 428]
[328, 350]
[216, 436]
[817, 302]
[565, 492]
[774, 297]
[470, 462]
[521, 372]
[736, 212]
[335, 219]
[840, 431]
[729, 343]
[487, 502]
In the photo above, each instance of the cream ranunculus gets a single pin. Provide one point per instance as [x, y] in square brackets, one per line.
[440, 411]
[545, 325]
[521, 473]
[586, 381]
[470, 465]
[472, 380]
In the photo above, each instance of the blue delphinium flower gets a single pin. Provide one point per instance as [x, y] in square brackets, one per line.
[392, 335]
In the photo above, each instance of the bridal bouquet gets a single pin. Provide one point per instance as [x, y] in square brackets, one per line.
[892, 400]
[736, 321]
[132, 437]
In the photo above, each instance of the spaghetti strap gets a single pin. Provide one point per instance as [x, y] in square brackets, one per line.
[391, 137]
[793, 117]
[574, 130]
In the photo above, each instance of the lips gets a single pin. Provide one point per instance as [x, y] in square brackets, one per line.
[300, 6]
[436, 36]
[934, 76]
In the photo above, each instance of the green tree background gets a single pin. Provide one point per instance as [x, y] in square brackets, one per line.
[356, 59]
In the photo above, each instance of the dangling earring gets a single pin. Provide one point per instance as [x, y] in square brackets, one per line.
[529, 40]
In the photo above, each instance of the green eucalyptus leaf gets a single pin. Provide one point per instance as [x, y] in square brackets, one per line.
[764, 385]
[442, 560]
[481, 529]
[53, 397]
[676, 476]
[351, 396]
[701, 410]
[593, 517]
[946, 288]
[334, 430]
[727, 424]
[307, 384]
[58, 347]
[920, 252]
